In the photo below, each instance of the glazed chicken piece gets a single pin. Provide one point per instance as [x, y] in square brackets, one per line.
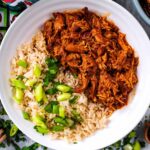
[83, 83]
[93, 48]
[73, 60]
[76, 48]
[59, 22]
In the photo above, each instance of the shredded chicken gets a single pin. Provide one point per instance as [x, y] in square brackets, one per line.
[93, 47]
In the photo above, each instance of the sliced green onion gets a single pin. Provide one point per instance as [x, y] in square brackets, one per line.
[57, 128]
[49, 107]
[18, 83]
[127, 147]
[63, 88]
[39, 92]
[60, 121]
[41, 130]
[64, 96]
[25, 115]
[13, 130]
[22, 63]
[51, 91]
[62, 111]
[37, 70]
[45, 99]
[70, 122]
[76, 116]
[74, 99]
[20, 77]
[18, 95]
[55, 109]
[38, 120]
[30, 82]
[136, 146]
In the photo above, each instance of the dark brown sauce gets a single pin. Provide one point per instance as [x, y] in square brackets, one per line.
[148, 133]
[146, 6]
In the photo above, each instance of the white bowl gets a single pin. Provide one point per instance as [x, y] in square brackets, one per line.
[122, 121]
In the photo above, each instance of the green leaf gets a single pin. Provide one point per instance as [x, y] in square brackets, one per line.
[31, 147]
[132, 134]
[2, 145]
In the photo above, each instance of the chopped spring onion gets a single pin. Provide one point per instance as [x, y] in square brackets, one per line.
[64, 96]
[57, 128]
[18, 95]
[25, 115]
[37, 71]
[41, 130]
[39, 121]
[136, 146]
[74, 99]
[13, 130]
[60, 121]
[70, 122]
[39, 92]
[44, 97]
[22, 63]
[127, 147]
[51, 91]
[20, 77]
[76, 116]
[55, 109]
[63, 88]
[62, 111]
[18, 83]
[30, 82]
[49, 107]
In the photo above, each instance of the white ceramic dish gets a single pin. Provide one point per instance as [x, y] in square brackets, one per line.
[122, 121]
